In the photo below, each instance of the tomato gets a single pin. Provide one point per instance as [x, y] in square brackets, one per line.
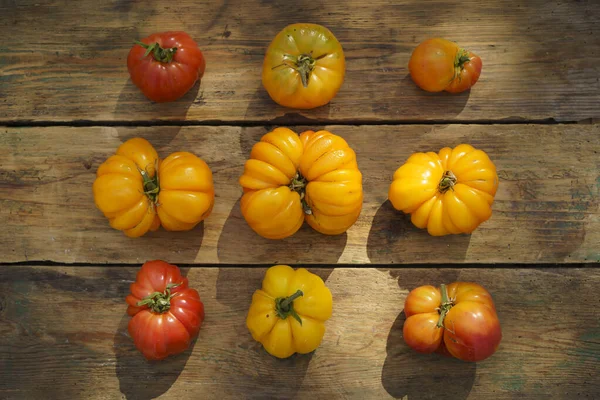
[448, 192]
[304, 66]
[136, 199]
[290, 179]
[167, 314]
[439, 64]
[459, 320]
[288, 314]
[166, 65]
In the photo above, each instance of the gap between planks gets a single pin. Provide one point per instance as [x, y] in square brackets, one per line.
[280, 121]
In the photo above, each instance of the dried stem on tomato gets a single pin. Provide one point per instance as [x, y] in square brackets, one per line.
[298, 184]
[303, 64]
[447, 182]
[151, 184]
[446, 305]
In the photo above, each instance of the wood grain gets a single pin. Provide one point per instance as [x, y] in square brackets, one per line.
[63, 334]
[63, 63]
[546, 210]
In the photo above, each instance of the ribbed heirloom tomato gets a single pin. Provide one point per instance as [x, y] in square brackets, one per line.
[439, 64]
[304, 66]
[138, 193]
[166, 313]
[448, 192]
[459, 319]
[166, 65]
[288, 314]
[290, 179]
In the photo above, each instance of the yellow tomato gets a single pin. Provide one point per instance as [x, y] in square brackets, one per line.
[288, 314]
[290, 179]
[304, 66]
[136, 199]
[448, 192]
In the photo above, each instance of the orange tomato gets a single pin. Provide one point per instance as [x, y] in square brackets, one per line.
[304, 66]
[439, 64]
[459, 320]
[138, 193]
[448, 192]
[290, 179]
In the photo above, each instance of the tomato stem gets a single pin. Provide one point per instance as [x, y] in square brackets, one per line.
[151, 184]
[447, 182]
[461, 58]
[284, 306]
[159, 302]
[298, 184]
[445, 306]
[159, 54]
[303, 64]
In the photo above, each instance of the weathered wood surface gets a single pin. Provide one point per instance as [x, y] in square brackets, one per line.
[541, 59]
[546, 210]
[63, 334]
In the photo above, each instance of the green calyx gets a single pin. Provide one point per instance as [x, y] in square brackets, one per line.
[159, 302]
[446, 305]
[159, 54]
[447, 182]
[151, 184]
[284, 306]
[461, 58]
[303, 64]
[298, 184]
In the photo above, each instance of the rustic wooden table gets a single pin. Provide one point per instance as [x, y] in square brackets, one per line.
[66, 104]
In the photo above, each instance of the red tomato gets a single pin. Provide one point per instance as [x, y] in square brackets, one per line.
[459, 320]
[165, 66]
[167, 314]
[439, 64]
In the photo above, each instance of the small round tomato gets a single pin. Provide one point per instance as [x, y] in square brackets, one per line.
[459, 319]
[439, 64]
[304, 66]
[165, 66]
[167, 314]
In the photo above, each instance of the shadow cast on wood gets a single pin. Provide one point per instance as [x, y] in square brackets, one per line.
[407, 374]
[437, 105]
[394, 239]
[173, 247]
[239, 244]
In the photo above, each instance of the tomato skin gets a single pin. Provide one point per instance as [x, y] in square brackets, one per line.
[282, 73]
[470, 328]
[421, 333]
[436, 65]
[472, 331]
[166, 81]
[158, 335]
[450, 192]
[424, 299]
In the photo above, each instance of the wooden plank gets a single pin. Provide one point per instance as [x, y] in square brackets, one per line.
[64, 335]
[541, 59]
[546, 210]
